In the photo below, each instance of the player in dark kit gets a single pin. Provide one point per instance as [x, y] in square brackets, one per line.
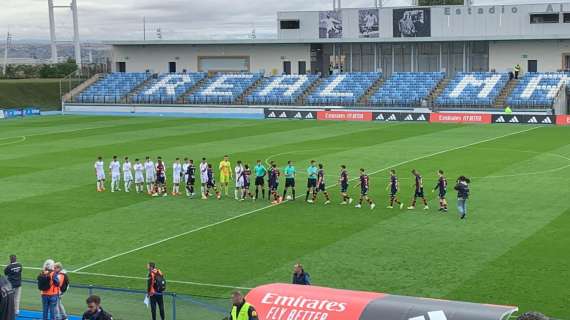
[190, 178]
[364, 187]
[419, 191]
[160, 187]
[343, 182]
[273, 179]
[321, 186]
[393, 186]
[211, 184]
[441, 186]
[246, 176]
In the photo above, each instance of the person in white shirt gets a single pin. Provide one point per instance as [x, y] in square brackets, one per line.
[139, 176]
[127, 174]
[115, 169]
[176, 177]
[100, 172]
[203, 176]
[238, 170]
[150, 175]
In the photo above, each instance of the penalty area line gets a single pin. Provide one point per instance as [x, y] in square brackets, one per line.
[273, 205]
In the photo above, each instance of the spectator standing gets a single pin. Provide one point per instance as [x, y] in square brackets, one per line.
[300, 276]
[13, 272]
[462, 188]
[155, 288]
[60, 310]
[517, 70]
[242, 310]
[49, 283]
[94, 310]
[7, 311]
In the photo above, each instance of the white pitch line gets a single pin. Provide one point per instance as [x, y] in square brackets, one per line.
[273, 205]
[104, 275]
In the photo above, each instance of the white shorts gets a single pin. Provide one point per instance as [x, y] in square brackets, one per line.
[128, 177]
[100, 176]
[150, 179]
[116, 177]
[139, 178]
[239, 183]
[204, 178]
[176, 179]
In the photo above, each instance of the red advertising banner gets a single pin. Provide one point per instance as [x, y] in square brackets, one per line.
[345, 115]
[563, 120]
[293, 302]
[460, 117]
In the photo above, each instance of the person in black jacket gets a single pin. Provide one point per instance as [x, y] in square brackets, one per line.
[300, 276]
[7, 311]
[13, 272]
[462, 188]
[94, 310]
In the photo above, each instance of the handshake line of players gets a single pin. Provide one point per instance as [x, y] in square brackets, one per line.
[153, 175]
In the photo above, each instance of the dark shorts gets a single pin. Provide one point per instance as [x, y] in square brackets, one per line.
[321, 187]
[246, 185]
[273, 186]
[160, 179]
[363, 191]
[259, 181]
[191, 181]
[311, 183]
[211, 184]
[419, 193]
[393, 192]
[343, 187]
[289, 182]
[442, 194]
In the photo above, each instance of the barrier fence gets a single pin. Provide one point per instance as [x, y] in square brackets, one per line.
[126, 304]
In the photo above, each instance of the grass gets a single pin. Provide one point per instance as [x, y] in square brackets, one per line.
[42, 93]
[511, 250]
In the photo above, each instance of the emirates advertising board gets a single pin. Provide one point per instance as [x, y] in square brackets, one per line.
[295, 302]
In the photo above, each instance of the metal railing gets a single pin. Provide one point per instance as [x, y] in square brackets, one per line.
[127, 304]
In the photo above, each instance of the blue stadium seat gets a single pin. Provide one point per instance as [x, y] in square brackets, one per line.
[406, 89]
[538, 90]
[112, 88]
[473, 89]
[223, 88]
[343, 88]
[167, 88]
[284, 89]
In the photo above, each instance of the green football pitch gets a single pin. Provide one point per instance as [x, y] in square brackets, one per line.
[512, 249]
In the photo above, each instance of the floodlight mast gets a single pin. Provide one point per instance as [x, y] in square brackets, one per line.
[53, 39]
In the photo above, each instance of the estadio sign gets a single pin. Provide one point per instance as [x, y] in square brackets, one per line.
[295, 302]
[460, 117]
[345, 115]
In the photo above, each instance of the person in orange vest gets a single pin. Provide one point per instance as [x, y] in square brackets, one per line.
[155, 288]
[49, 283]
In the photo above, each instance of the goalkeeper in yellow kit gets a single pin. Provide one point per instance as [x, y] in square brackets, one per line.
[225, 174]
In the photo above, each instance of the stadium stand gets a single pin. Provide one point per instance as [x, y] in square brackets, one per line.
[406, 89]
[112, 88]
[538, 90]
[343, 88]
[473, 89]
[167, 88]
[223, 88]
[285, 89]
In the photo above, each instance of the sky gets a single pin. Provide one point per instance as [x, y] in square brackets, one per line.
[177, 19]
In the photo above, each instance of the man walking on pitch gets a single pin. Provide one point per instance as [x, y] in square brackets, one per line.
[418, 191]
[441, 186]
[139, 176]
[343, 182]
[260, 173]
[155, 287]
[127, 174]
[462, 188]
[311, 181]
[176, 177]
[191, 178]
[321, 186]
[100, 173]
[289, 173]
[364, 188]
[225, 174]
[394, 186]
[115, 171]
[203, 176]
[150, 175]
[13, 273]
[238, 170]
[273, 182]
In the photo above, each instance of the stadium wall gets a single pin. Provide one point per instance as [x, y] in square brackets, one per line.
[549, 54]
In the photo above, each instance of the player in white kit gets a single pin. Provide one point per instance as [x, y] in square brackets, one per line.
[176, 177]
[238, 170]
[115, 169]
[127, 174]
[100, 172]
[203, 176]
[150, 175]
[139, 176]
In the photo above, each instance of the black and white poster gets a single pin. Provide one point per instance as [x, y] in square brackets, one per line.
[411, 22]
[330, 24]
[369, 23]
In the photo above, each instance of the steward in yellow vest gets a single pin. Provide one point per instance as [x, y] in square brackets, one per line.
[242, 310]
